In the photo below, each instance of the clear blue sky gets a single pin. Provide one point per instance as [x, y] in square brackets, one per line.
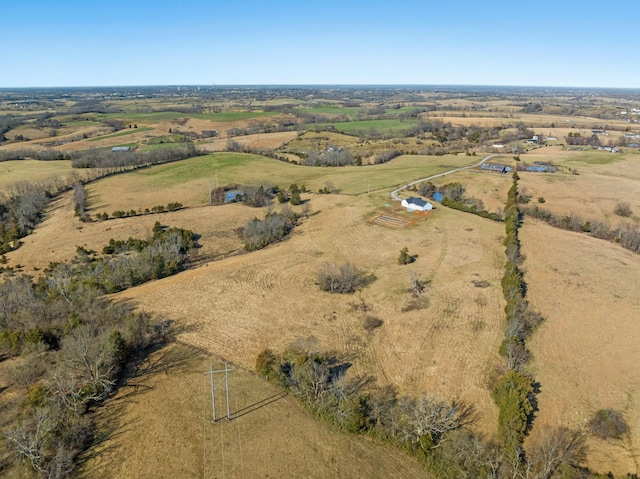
[460, 42]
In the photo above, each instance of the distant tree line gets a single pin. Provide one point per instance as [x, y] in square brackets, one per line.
[101, 158]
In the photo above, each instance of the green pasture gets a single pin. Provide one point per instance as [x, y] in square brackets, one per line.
[329, 110]
[155, 117]
[31, 170]
[81, 123]
[223, 168]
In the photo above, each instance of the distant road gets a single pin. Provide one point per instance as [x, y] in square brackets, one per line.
[394, 193]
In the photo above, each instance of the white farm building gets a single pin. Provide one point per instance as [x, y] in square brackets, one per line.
[416, 204]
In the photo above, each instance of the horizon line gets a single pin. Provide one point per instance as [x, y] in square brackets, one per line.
[319, 85]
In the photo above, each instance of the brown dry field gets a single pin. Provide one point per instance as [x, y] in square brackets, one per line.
[169, 403]
[238, 306]
[267, 141]
[241, 304]
[585, 353]
[594, 192]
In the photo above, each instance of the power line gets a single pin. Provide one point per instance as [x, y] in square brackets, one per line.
[212, 373]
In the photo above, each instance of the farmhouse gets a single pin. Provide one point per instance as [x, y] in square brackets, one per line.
[116, 149]
[498, 168]
[416, 204]
[598, 132]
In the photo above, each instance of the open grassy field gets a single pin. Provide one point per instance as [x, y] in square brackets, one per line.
[269, 435]
[604, 180]
[237, 306]
[189, 181]
[31, 170]
[121, 133]
[585, 351]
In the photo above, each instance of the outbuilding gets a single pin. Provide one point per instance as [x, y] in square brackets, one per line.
[416, 204]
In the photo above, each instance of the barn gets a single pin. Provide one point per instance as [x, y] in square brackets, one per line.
[416, 204]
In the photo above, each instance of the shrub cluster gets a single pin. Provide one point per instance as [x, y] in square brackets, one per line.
[259, 233]
[126, 263]
[319, 382]
[345, 278]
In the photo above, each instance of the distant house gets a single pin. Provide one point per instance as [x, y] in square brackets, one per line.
[598, 132]
[497, 145]
[209, 133]
[496, 167]
[116, 149]
[416, 204]
[534, 140]
[552, 138]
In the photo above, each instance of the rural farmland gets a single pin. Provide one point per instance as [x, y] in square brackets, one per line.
[263, 230]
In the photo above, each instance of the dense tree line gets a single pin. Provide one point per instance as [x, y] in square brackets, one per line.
[333, 156]
[70, 346]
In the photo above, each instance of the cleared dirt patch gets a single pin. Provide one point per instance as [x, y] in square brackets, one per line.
[391, 221]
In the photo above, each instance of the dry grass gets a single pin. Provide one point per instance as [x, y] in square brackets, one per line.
[270, 436]
[585, 352]
[268, 298]
[604, 180]
[31, 170]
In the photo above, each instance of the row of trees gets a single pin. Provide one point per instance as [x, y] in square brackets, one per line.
[432, 429]
[626, 234]
[101, 158]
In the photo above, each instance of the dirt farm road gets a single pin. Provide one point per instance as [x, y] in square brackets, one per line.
[394, 193]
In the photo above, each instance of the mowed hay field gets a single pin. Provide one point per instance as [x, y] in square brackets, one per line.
[32, 170]
[585, 353]
[240, 305]
[604, 179]
[159, 425]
